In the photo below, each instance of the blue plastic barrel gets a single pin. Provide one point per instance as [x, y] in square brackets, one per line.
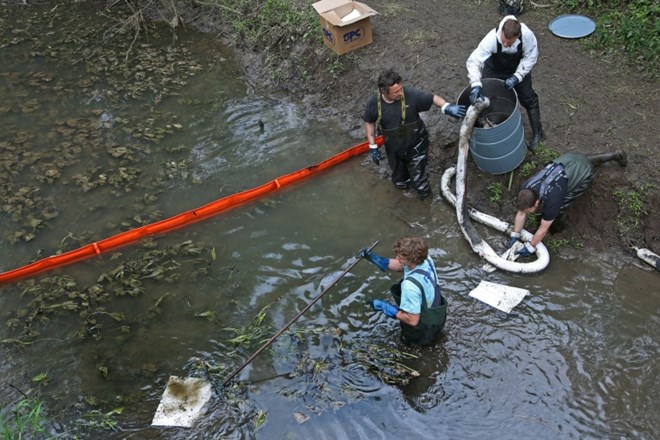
[497, 144]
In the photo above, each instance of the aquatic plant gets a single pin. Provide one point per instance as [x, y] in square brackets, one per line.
[254, 333]
[23, 421]
[91, 305]
[119, 71]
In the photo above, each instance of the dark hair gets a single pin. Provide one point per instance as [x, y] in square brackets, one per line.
[527, 198]
[413, 249]
[511, 29]
[387, 79]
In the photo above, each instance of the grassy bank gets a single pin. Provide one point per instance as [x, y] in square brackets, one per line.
[631, 28]
[284, 32]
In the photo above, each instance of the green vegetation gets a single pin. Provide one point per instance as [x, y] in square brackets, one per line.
[253, 333]
[533, 220]
[541, 157]
[554, 243]
[633, 206]
[98, 420]
[282, 29]
[623, 25]
[496, 189]
[90, 305]
[25, 421]
[275, 21]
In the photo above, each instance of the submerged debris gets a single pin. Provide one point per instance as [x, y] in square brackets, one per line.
[95, 306]
[112, 109]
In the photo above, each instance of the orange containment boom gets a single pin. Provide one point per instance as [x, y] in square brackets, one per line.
[180, 220]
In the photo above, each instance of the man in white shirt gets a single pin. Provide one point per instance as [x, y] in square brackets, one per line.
[509, 52]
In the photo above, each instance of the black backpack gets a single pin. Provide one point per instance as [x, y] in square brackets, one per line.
[511, 7]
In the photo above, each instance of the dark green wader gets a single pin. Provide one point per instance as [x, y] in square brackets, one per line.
[431, 320]
[407, 154]
[579, 174]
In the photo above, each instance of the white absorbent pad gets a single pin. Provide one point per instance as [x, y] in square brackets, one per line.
[502, 297]
[182, 401]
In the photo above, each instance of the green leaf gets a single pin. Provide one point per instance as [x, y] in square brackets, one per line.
[115, 411]
[209, 314]
[40, 377]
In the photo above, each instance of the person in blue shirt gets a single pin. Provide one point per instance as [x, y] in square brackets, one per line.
[420, 308]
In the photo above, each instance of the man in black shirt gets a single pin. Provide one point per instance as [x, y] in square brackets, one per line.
[395, 109]
[555, 187]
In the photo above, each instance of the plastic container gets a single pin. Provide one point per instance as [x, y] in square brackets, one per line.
[498, 146]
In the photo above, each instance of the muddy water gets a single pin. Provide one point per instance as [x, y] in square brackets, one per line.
[576, 359]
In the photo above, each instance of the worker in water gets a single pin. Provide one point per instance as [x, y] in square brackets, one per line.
[420, 307]
[509, 52]
[395, 111]
[555, 187]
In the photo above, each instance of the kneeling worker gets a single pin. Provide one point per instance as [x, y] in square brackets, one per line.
[421, 309]
[556, 186]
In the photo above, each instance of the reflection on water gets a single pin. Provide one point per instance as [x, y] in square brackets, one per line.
[575, 360]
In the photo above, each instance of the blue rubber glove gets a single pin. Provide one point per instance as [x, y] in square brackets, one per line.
[454, 110]
[511, 82]
[515, 236]
[379, 261]
[385, 307]
[526, 250]
[476, 94]
[375, 153]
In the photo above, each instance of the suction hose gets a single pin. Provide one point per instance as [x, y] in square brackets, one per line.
[463, 212]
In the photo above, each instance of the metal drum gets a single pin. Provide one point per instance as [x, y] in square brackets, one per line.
[497, 144]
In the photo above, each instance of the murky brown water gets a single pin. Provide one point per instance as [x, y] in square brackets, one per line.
[577, 359]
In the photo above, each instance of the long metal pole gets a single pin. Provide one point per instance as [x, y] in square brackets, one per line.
[307, 307]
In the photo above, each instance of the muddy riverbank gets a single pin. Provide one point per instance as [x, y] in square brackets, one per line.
[589, 103]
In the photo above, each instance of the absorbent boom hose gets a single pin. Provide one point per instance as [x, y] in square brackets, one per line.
[181, 220]
[649, 257]
[307, 307]
[463, 213]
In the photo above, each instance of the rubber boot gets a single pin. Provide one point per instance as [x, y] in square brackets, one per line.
[534, 114]
[403, 185]
[619, 156]
[425, 194]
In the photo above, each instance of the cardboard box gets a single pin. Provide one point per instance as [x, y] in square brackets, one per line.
[346, 25]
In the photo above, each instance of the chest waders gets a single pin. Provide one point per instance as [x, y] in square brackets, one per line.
[579, 173]
[501, 65]
[431, 320]
[407, 147]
